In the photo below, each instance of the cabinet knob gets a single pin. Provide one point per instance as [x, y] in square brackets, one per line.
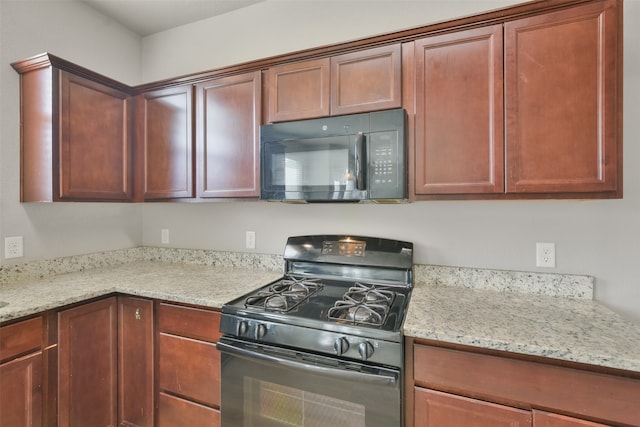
[138, 315]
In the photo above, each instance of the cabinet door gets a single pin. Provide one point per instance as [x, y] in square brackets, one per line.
[299, 91]
[135, 361]
[95, 141]
[87, 365]
[436, 409]
[228, 141]
[164, 144]
[366, 80]
[546, 419]
[459, 113]
[561, 101]
[21, 391]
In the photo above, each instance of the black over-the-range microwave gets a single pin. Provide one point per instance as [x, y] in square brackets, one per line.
[351, 158]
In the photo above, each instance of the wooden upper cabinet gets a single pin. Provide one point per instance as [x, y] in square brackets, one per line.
[459, 113]
[354, 82]
[562, 100]
[299, 90]
[164, 144]
[75, 134]
[228, 127]
[366, 80]
[95, 141]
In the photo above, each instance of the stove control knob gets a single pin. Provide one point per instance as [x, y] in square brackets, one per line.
[260, 331]
[243, 327]
[365, 349]
[341, 345]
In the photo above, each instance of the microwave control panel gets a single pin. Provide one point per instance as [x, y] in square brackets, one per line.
[385, 164]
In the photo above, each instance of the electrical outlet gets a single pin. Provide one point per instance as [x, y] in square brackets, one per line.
[164, 236]
[546, 255]
[13, 247]
[250, 240]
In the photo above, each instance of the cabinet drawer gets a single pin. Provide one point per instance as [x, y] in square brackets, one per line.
[173, 411]
[190, 368]
[528, 384]
[189, 322]
[20, 337]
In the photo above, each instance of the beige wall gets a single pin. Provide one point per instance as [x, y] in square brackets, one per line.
[73, 31]
[599, 238]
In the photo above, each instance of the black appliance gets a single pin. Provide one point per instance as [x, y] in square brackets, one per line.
[323, 345]
[351, 158]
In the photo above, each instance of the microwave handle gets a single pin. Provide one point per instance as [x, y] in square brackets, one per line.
[361, 158]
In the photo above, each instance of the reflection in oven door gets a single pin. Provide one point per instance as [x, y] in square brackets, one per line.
[264, 386]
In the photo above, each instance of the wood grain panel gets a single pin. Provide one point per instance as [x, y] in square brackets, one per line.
[190, 322]
[21, 337]
[526, 384]
[173, 411]
[190, 369]
[88, 364]
[228, 136]
[459, 139]
[135, 362]
[21, 392]
[366, 80]
[164, 144]
[436, 409]
[95, 141]
[561, 101]
[300, 90]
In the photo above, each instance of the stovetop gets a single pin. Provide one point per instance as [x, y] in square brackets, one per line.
[339, 305]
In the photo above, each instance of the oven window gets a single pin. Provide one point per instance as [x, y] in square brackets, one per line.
[287, 406]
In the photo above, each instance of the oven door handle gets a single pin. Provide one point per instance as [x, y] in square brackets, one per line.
[384, 379]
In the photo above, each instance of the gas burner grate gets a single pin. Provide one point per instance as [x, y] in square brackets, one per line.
[363, 304]
[284, 295]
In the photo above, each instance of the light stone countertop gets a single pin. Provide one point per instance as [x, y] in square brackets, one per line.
[549, 315]
[187, 283]
[568, 329]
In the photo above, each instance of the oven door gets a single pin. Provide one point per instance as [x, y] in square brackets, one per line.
[266, 386]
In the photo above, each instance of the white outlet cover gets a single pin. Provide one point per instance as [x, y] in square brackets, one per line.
[545, 255]
[13, 247]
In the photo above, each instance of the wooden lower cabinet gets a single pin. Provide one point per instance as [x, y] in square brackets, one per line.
[88, 364]
[188, 366]
[436, 409]
[21, 391]
[461, 386]
[546, 419]
[135, 362]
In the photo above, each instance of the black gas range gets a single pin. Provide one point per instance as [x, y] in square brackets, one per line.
[344, 296]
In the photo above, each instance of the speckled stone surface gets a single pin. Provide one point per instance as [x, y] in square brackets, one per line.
[557, 285]
[189, 283]
[548, 315]
[571, 329]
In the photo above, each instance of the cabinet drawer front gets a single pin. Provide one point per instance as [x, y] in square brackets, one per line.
[436, 409]
[189, 322]
[173, 411]
[20, 337]
[190, 368]
[528, 384]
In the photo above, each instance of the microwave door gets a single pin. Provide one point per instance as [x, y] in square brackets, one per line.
[314, 169]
